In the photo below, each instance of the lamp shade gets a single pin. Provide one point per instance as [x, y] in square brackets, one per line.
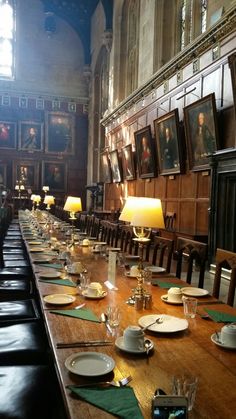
[148, 213]
[32, 197]
[73, 204]
[49, 200]
[143, 212]
[37, 198]
[45, 189]
[129, 208]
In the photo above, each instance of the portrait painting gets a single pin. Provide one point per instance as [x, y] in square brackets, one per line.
[54, 175]
[3, 175]
[115, 166]
[106, 167]
[7, 134]
[145, 153]
[128, 162]
[201, 131]
[30, 136]
[168, 143]
[60, 132]
[27, 173]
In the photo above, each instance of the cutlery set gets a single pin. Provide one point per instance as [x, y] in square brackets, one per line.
[81, 344]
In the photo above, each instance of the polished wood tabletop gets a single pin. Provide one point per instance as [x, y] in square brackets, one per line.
[190, 351]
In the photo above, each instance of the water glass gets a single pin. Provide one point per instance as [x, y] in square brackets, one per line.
[185, 385]
[113, 316]
[84, 280]
[190, 307]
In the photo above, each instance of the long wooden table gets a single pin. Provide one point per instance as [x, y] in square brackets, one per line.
[191, 351]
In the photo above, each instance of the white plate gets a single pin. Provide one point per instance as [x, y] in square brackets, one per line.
[119, 343]
[59, 299]
[130, 276]
[222, 345]
[132, 257]
[51, 275]
[94, 297]
[194, 292]
[170, 324]
[154, 269]
[37, 249]
[166, 300]
[90, 364]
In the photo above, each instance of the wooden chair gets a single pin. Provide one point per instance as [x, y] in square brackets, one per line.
[225, 259]
[190, 251]
[109, 232]
[162, 252]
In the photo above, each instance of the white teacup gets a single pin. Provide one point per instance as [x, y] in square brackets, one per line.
[86, 242]
[134, 271]
[134, 338]
[175, 295]
[228, 334]
[94, 289]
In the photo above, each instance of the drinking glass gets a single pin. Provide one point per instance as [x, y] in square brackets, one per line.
[190, 307]
[84, 280]
[185, 385]
[113, 315]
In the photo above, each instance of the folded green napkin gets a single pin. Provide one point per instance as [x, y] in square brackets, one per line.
[167, 285]
[84, 314]
[218, 316]
[66, 282]
[120, 401]
[52, 265]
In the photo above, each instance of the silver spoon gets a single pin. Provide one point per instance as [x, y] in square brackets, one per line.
[157, 321]
[104, 319]
[147, 345]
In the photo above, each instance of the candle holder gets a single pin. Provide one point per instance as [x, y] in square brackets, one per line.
[72, 205]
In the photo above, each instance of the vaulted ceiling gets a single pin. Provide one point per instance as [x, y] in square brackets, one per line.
[78, 14]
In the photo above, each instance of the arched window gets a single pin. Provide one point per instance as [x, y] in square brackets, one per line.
[132, 47]
[7, 37]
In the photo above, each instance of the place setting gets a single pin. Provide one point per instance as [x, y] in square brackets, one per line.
[134, 341]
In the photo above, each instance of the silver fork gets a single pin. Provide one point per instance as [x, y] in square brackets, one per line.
[114, 383]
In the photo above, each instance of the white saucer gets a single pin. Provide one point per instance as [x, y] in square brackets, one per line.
[90, 364]
[119, 343]
[50, 275]
[94, 297]
[221, 344]
[168, 301]
[154, 269]
[194, 292]
[59, 299]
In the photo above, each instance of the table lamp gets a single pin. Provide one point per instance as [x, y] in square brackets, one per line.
[49, 200]
[45, 189]
[72, 205]
[37, 199]
[143, 214]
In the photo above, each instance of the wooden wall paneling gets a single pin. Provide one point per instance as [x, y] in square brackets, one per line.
[151, 116]
[149, 188]
[227, 87]
[160, 187]
[131, 188]
[172, 186]
[227, 131]
[188, 185]
[140, 187]
[194, 95]
[187, 216]
[202, 217]
[203, 184]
